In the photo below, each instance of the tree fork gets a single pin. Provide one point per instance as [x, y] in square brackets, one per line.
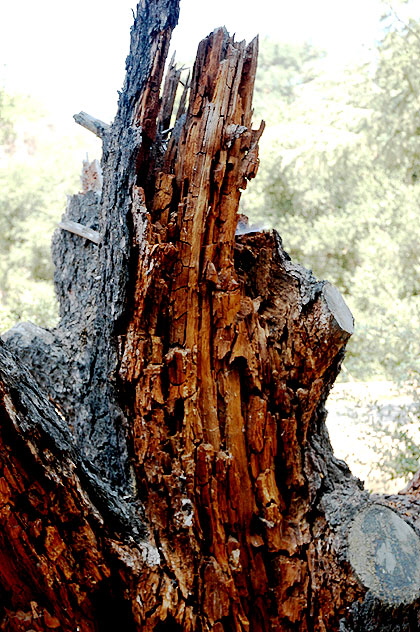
[198, 489]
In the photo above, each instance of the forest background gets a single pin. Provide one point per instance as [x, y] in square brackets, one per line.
[339, 179]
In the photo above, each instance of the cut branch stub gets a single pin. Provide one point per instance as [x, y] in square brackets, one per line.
[385, 553]
[338, 309]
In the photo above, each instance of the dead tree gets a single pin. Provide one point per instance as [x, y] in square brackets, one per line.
[165, 463]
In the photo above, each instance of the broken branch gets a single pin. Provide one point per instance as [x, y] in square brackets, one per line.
[99, 128]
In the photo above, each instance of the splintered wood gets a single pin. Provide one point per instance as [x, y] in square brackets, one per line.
[220, 369]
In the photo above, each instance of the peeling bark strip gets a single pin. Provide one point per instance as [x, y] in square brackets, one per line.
[170, 468]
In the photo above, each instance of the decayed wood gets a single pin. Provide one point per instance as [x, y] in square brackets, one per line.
[198, 489]
[57, 556]
[225, 381]
[92, 179]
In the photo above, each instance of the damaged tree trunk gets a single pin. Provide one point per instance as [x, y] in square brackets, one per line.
[165, 463]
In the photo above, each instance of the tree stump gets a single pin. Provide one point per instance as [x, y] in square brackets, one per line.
[166, 465]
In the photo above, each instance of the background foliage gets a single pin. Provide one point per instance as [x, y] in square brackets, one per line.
[38, 169]
[339, 179]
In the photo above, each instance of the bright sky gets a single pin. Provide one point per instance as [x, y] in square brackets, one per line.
[71, 55]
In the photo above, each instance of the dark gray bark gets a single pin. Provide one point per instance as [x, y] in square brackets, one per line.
[61, 359]
[77, 362]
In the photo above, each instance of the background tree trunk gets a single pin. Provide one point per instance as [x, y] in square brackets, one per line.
[166, 466]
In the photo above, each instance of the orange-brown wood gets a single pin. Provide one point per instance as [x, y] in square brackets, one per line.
[224, 379]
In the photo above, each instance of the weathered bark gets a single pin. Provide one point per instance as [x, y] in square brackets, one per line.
[167, 464]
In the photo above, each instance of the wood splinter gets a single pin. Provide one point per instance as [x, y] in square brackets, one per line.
[80, 230]
[99, 128]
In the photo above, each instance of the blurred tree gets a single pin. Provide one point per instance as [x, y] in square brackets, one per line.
[396, 98]
[282, 68]
[38, 168]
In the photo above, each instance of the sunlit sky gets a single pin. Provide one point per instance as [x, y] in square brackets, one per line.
[71, 56]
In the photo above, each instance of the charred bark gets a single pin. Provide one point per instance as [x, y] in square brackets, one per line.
[167, 465]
